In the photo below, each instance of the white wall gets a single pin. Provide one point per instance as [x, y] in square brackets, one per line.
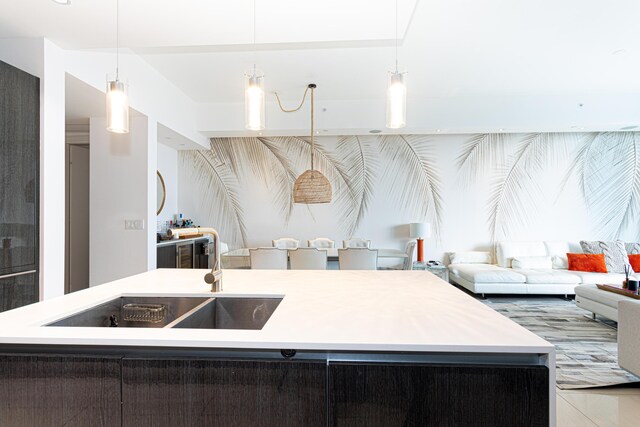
[122, 188]
[168, 168]
[454, 114]
[149, 91]
[535, 201]
[45, 60]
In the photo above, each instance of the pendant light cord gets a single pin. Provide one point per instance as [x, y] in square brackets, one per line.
[298, 107]
[255, 53]
[312, 87]
[117, 39]
[396, 36]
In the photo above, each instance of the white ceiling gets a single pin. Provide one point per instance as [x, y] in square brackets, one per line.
[481, 52]
[91, 24]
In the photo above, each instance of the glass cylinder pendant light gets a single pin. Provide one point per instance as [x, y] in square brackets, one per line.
[396, 101]
[117, 107]
[117, 96]
[254, 91]
[254, 100]
[396, 93]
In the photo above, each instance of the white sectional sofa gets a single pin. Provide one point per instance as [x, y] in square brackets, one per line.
[502, 278]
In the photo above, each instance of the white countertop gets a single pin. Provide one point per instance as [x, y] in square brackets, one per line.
[410, 311]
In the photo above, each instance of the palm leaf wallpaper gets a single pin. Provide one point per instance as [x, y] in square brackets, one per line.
[473, 189]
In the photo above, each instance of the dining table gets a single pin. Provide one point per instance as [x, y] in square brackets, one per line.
[239, 258]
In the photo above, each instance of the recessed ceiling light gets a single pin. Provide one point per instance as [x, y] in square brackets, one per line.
[619, 51]
[438, 130]
[63, 2]
[628, 127]
[375, 131]
[501, 130]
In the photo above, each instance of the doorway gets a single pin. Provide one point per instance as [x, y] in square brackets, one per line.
[77, 217]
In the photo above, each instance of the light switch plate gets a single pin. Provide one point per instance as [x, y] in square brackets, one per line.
[134, 224]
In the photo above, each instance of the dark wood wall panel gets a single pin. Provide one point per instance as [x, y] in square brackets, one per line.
[43, 390]
[17, 291]
[19, 185]
[402, 395]
[19, 165]
[223, 393]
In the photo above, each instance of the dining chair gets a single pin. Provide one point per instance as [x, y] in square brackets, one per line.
[268, 259]
[358, 259]
[408, 261]
[308, 259]
[321, 242]
[286, 243]
[356, 242]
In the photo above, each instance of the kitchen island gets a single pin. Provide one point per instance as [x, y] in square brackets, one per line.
[341, 348]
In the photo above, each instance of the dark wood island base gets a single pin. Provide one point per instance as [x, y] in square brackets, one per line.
[47, 386]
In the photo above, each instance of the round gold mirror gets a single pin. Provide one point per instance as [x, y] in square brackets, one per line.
[162, 193]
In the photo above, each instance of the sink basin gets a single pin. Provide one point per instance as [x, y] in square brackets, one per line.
[176, 312]
[134, 312]
[230, 313]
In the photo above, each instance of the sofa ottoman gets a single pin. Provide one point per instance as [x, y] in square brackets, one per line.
[599, 302]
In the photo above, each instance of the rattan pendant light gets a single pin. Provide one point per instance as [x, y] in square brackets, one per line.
[312, 186]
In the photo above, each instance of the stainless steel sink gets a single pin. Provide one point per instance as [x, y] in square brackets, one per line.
[114, 311]
[176, 312]
[230, 313]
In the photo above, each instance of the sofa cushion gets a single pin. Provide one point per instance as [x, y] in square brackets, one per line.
[470, 257]
[615, 254]
[632, 248]
[507, 250]
[486, 273]
[594, 263]
[599, 278]
[634, 260]
[529, 262]
[542, 276]
[561, 247]
[560, 262]
[558, 250]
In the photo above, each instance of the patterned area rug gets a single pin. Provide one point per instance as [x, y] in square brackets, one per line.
[586, 350]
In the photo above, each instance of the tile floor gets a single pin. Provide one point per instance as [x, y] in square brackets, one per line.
[604, 407]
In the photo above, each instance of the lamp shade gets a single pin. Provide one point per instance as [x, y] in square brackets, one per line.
[419, 230]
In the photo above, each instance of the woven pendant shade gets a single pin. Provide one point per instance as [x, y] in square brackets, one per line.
[312, 187]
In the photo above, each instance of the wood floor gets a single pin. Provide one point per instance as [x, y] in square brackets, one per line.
[618, 406]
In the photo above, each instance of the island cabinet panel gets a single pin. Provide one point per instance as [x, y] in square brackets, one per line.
[180, 392]
[53, 390]
[409, 395]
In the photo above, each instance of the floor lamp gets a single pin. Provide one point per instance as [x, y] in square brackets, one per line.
[420, 230]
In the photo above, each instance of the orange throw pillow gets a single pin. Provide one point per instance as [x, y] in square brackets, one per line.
[634, 260]
[593, 263]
